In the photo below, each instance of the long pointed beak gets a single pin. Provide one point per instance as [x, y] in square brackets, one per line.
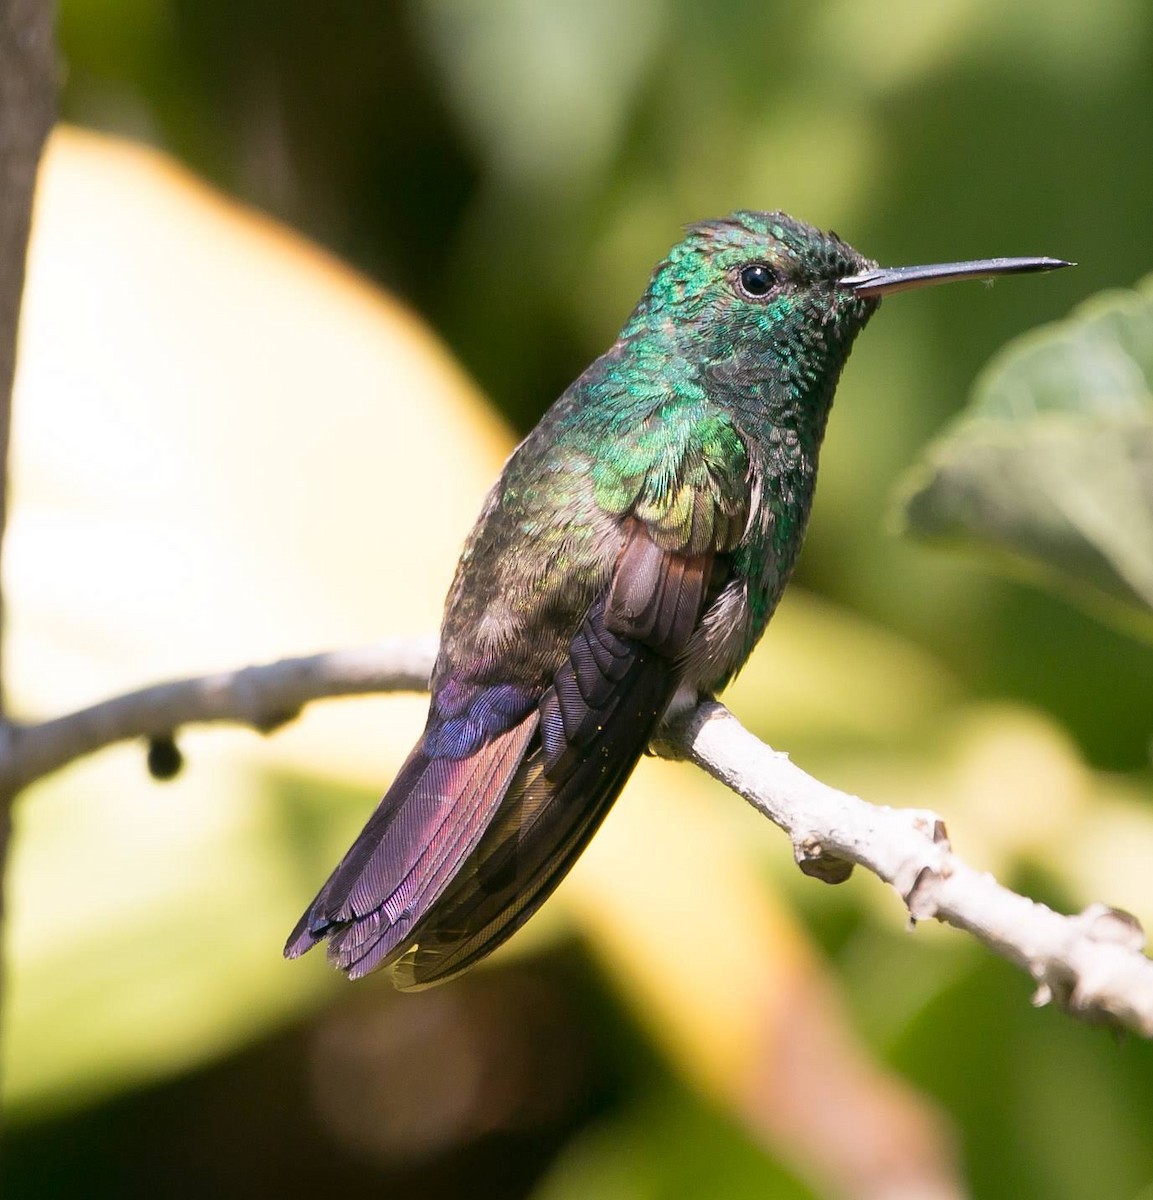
[881, 281]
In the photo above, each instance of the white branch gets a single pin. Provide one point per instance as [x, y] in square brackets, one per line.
[264, 697]
[1092, 963]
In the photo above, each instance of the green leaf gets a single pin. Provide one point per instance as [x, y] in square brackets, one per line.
[1051, 467]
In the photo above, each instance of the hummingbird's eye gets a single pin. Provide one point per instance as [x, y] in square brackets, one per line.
[756, 281]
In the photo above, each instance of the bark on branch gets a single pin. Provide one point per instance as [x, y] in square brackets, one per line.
[1091, 964]
[27, 113]
[263, 697]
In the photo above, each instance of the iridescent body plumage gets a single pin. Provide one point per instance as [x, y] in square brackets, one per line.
[631, 554]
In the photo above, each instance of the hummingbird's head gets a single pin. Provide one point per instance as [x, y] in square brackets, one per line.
[763, 288]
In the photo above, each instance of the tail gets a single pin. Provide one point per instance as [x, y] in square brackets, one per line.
[596, 721]
[428, 823]
[461, 852]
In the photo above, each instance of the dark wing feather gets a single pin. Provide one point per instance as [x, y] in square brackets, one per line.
[427, 824]
[596, 720]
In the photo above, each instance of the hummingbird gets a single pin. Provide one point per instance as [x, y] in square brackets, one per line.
[624, 565]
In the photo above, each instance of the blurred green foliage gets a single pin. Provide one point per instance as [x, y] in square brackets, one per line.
[513, 169]
[1052, 462]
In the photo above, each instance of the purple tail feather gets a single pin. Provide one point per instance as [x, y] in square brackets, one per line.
[428, 823]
